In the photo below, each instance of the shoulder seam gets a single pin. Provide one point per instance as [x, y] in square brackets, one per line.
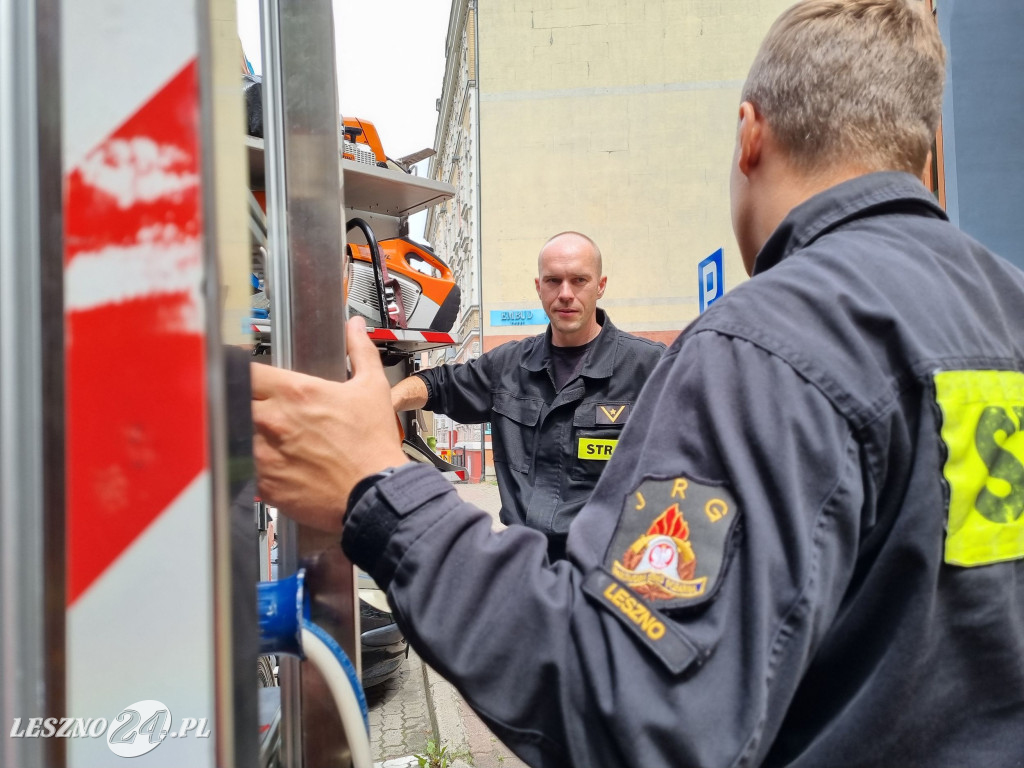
[858, 418]
[841, 399]
[633, 337]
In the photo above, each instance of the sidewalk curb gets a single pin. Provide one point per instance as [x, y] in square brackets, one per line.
[445, 715]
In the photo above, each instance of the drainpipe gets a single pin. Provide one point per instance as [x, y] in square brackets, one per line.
[476, 213]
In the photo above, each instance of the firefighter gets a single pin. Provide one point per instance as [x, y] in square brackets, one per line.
[808, 548]
[557, 402]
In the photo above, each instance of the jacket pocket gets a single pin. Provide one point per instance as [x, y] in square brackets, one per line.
[592, 448]
[595, 432]
[513, 429]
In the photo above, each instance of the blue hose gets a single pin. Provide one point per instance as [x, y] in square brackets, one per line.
[283, 613]
[346, 664]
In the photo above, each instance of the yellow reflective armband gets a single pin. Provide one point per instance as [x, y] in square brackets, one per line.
[983, 432]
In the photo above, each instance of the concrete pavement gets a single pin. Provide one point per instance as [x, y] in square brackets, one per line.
[418, 704]
[400, 715]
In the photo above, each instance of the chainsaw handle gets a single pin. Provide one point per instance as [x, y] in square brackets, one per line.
[429, 257]
[378, 266]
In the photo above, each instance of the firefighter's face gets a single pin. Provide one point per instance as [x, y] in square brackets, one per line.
[569, 284]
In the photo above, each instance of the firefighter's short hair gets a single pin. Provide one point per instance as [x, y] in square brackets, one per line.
[851, 81]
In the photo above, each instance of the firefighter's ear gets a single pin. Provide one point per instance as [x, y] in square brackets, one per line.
[601, 285]
[750, 138]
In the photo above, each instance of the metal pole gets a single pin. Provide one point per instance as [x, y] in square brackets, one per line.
[236, 705]
[307, 244]
[476, 213]
[31, 510]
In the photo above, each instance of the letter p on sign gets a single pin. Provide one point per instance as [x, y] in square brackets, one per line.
[711, 279]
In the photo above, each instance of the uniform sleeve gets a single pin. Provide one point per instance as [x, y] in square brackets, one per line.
[461, 391]
[567, 676]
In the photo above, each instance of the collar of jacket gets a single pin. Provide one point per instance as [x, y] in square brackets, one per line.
[871, 194]
[600, 362]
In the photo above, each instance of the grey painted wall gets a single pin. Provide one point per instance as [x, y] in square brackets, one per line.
[983, 121]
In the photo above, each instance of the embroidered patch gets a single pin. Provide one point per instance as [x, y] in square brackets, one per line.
[612, 414]
[671, 541]
[596, 449]
[641, 620]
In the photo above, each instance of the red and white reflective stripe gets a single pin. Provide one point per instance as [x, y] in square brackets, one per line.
[432, 337]
[140, 571]
[384, 334]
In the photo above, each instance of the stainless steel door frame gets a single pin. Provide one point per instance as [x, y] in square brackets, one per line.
[31, 389]
[307, 243]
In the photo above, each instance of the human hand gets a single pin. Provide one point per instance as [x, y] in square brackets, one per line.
[315, 439]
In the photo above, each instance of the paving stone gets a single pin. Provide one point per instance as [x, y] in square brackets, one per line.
[399, 762]
[392, 738]
[399, 719]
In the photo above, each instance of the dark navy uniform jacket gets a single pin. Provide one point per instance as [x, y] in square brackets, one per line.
[807, 549]
[549, 447]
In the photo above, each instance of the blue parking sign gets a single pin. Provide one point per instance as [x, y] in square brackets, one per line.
[711, 277]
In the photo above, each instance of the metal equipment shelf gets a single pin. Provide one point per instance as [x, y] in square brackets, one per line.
[381, 191]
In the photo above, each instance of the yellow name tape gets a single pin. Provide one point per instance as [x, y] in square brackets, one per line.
[641, 620]
[635, 611]
[596, 449]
